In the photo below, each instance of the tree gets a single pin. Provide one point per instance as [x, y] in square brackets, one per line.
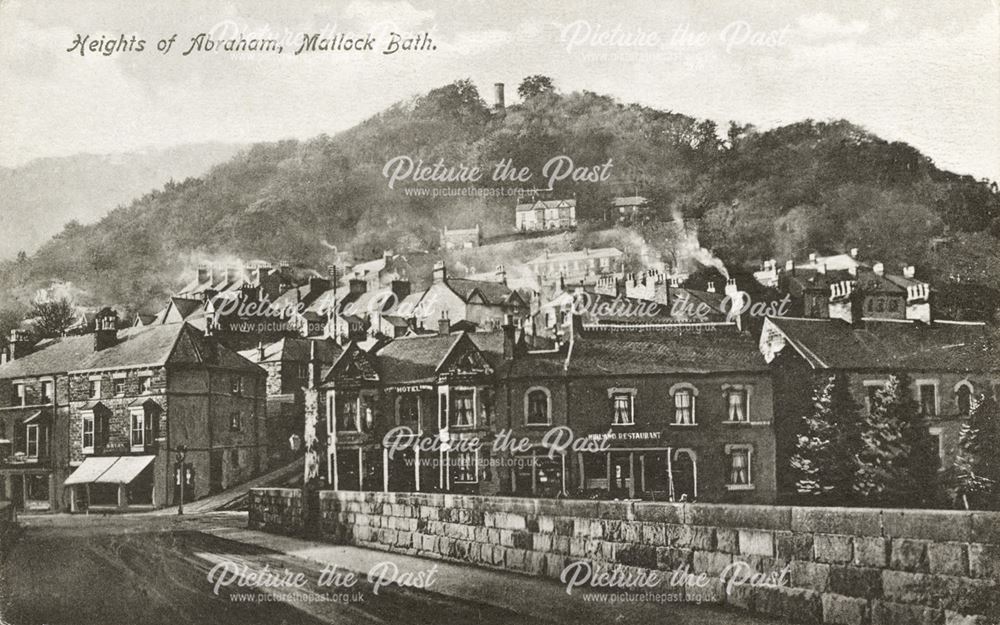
[898, 463]
[535, 85]
[827, 447]
[52, 317]
[977, 465]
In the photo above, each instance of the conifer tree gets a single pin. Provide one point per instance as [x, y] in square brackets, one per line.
[825, 462]
[977, 465]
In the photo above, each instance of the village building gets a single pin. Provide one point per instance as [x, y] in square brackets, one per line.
[949, 363]
[94, 421]
[287, 363]
[461, 239]
[540, 215]
[628, 210]
[669, 413]
[576, 265]
[441, 385]
[481, 302]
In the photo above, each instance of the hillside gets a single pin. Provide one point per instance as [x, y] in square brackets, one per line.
[756, 194]
[84, 187]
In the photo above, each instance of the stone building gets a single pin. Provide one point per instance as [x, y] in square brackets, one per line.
[949, 363]
[96, 419]
[545, 215]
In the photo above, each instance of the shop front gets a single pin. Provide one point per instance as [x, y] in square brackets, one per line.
[103, 482]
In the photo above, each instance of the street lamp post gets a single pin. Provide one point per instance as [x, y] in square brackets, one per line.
[180, 455]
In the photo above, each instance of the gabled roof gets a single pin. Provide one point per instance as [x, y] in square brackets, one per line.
[353, 359]
[414, 358]
[493, 293]
[141, 346]
[542, 204]
[884, 344]
[294, 349]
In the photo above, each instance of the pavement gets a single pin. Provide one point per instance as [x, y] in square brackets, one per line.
[131, 568]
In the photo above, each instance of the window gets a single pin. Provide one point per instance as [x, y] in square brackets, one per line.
[234, 421]
[537, 410]
[88, 433]
[20, 394]
[31, 443]
[622, 409]
[928, 399]
[236, 385]
[463, 408]
[871, 394]
[465, 464]
[963, 396]
[684, 407]
[739, 405]
[408, 408]
[94, 389]
[119, 387]
[347, 412]
[739, 465]
[47, 392]
[145, 384]
[138, 428]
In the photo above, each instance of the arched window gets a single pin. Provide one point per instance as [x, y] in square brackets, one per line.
[963, 396]
[684, 403]
[537, 406]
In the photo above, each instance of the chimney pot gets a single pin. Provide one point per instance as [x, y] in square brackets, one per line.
[711, 287]
[440, 272]
[105, 329]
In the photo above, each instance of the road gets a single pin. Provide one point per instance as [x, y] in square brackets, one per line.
[154, 570]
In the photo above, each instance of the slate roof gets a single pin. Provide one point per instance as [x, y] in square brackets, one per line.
[632, 200]
[294, 349]
[640, 352]
[542, 204]
[414, 358]
[138, 346]
[493, 292]
[888, 345]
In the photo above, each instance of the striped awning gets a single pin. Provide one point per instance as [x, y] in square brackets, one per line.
[109, 470]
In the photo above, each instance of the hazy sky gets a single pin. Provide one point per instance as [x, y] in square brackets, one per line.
[924, 73]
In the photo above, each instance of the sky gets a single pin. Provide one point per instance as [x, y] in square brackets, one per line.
[924, 73]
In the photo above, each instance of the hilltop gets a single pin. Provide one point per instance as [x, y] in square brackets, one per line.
[755, 194]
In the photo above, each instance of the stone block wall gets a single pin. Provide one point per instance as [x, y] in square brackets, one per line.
[847, 566]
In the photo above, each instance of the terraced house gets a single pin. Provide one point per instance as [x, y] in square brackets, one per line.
[96, 419]
[680, 412]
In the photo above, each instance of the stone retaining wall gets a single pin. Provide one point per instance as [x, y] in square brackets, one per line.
[844, 565]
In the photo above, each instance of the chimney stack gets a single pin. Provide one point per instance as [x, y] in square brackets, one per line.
[17, 346]
[440, 273]
[731, 288]
[105, 329]
[509, 337]
[401, 289]
[854, 252]
[821, 268]
[878, 269]
[357, 286]
[790, 266]
[498, 102]
[812, 257]
[501, 275]
[909, 271]
[204, 274]
[711, 287]
[444, 324]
